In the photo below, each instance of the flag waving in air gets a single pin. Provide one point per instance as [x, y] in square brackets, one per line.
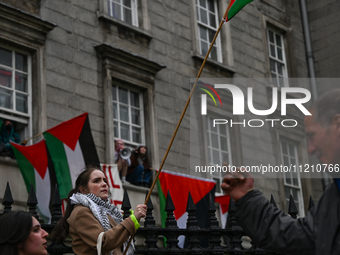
[36, 169]
[179, 186]
[235, 6]
[71, 147]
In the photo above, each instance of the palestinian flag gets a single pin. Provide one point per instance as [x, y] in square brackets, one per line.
[71, 147]
[223, 202]
[179, 186]
[36, 169]
[234, 7]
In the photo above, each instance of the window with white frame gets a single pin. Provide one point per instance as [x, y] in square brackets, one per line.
[207, 23]
[15, 88]
[277, 58]
[292, 181]
[124, 10]
[128, 115]
[218, 149]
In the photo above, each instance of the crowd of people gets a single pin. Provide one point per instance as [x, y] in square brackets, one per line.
[133, 166]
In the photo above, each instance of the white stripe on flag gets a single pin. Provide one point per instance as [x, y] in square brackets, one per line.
[224, 217]
[181, 223]
[76, 162]
[113, 179]
[43, 193]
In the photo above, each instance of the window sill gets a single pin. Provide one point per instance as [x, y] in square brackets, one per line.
[8, 161]
[125, 29]
[213, 66]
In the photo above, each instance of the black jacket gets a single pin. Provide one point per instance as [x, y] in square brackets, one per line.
[318, 233]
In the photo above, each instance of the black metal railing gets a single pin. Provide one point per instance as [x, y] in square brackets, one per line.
[233, 235]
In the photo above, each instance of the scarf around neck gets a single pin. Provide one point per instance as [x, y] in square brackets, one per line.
[100, 210]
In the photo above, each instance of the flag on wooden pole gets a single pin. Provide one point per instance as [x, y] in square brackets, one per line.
[234, 7]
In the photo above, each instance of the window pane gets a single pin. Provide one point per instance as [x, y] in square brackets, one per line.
[211, 36]
[204, 18]
[116, 11]
[6, 98]
[124, 113]
[21, 82]
[128, 16]
[203, 33]
[278, 40]
[5, 57]
[21, 62]
[212, 20]
[272, 66]
[135, 114]
[279, 54]
[281, 82]
[127, 3]
[204, 48]
[295, 194]
[136, 135]
[123, 96]
[134, 97]
[211, 5]
[225, 157]
[125, 131]
[272, 51]
[224, 145]
[115, 129]
[115, 113]
[216, 157]
[214, 141]
[285, 161]
[280, 69]
[5, 78]
[21, 103]
[213, 53]
[271, 36]
[202, 3]
[114, 93]
[223, 129]
[287, 192]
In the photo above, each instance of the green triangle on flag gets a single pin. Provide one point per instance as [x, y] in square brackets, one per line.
[235, 6]
[34, 167]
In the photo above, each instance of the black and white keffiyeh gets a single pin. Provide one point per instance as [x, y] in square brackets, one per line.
[100, 210]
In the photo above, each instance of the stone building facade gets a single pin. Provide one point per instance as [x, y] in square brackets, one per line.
[118, 59]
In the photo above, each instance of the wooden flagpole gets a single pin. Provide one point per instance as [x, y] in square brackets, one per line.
[182, 115]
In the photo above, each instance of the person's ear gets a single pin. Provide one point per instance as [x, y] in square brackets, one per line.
[83, 190]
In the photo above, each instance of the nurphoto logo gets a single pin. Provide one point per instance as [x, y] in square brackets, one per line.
[239, 104]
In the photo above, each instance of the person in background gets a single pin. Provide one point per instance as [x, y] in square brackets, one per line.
[139, 172]
[7, 135]
[122, 164]
[21, 234]
[89, 215]
[319, 231]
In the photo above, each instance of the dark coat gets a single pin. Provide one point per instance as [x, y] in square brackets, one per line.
[318, 233]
